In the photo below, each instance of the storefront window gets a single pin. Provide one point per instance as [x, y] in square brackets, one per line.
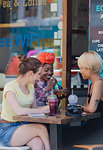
[80, 23]
[30, 25]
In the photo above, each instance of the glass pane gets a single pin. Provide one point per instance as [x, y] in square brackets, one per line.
[30, 27]
[80, 20]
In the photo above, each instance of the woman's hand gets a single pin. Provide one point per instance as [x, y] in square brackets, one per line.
[45, 109]
[51, 84]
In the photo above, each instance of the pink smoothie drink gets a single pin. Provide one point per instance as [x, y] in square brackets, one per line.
[53, 104]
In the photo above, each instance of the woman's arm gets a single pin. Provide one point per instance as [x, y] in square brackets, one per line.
[88, 94]
[12, 100]
[96, 96]
[41, 95]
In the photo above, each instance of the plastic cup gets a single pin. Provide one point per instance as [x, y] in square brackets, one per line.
[73, 99]
[53, 105]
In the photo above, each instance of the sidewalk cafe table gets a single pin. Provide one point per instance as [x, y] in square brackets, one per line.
[55, 122]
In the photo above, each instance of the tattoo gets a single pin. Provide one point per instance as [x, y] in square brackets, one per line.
[97, 101]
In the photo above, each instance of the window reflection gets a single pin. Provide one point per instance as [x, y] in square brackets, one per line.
[26, 28]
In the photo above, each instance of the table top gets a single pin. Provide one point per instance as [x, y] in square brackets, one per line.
[58, 119]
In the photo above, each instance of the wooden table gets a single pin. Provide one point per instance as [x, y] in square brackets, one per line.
[55, 124]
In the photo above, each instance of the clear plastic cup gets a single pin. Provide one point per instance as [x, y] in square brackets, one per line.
[53, 104]
[73, 99]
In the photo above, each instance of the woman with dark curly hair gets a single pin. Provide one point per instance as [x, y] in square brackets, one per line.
[44, 85]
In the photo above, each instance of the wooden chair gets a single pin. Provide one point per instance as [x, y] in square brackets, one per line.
[89, 147]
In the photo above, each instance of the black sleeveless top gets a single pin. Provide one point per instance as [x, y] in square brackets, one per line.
[100, 105]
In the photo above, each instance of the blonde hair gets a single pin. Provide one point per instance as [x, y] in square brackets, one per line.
[90, 60]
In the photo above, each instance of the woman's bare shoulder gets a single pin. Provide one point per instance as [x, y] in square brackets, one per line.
[99, 83]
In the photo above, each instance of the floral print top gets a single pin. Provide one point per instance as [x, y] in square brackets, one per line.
[41, 93]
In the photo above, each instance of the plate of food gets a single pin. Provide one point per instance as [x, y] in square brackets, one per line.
[61, 92]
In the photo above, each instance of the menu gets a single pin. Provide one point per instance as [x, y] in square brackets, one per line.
[96, 27]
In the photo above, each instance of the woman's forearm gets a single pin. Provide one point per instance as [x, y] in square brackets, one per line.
[26, 111]
[87, 109]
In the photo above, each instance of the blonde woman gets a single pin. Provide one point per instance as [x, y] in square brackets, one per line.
[90, 64]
